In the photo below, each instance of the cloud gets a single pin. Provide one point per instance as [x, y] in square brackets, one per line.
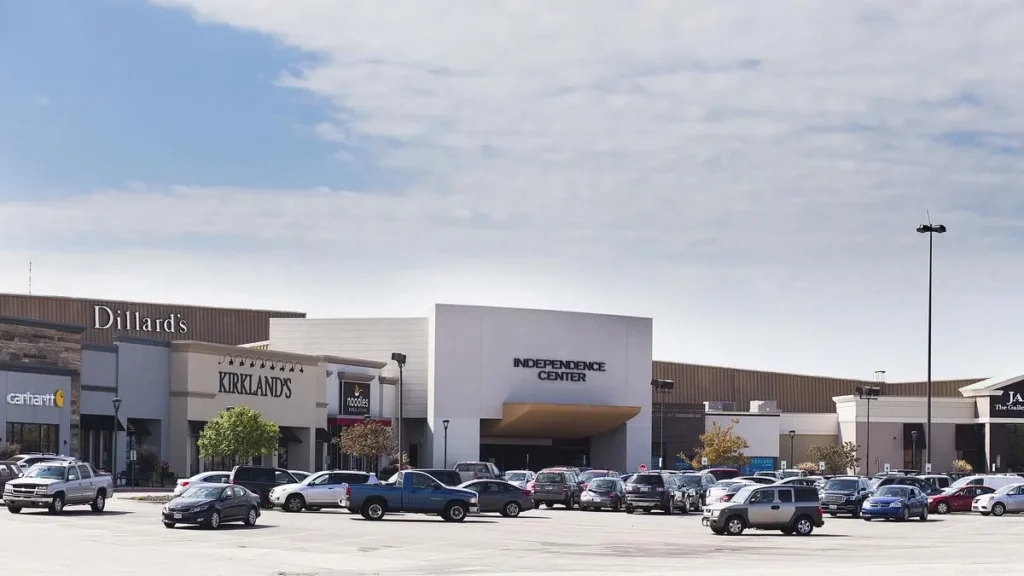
[747, 173]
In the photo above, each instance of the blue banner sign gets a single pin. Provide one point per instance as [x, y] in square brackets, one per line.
[758, 464]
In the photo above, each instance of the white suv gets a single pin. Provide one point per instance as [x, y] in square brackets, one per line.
[320, 490]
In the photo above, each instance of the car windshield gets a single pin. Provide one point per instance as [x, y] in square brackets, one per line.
[602, 484]
[46, 472]
[1006, 489]
[647, 480]
[203, 492]
[549, 478]
[743, 493]
[892, 492]
[312, 478]
[517, 477]
[844, 485]
[591, 474]
[690, 481]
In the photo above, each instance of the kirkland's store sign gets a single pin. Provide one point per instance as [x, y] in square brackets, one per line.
[559, 370]
[254, 385]
[107, 318]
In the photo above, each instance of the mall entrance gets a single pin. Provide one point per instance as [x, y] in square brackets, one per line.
[536, 457]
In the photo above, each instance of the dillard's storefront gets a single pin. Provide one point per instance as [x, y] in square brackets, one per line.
[288, 389]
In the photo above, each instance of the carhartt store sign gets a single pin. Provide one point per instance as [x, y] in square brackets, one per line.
[107, 318]
[355, 399]
[560, 370]
[55, 400]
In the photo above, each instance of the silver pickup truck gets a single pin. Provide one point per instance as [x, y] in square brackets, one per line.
[56, 484]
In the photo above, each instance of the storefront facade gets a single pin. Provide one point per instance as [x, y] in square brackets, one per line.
[356, 394]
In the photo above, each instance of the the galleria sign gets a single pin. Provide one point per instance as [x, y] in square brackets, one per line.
[106, 318]
[1009, 404]
[559, 370]
[247, 385]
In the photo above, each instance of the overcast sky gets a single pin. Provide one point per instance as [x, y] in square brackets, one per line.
[749, 174]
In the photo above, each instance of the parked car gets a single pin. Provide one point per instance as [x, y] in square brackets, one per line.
[477, 471]
[995, 481]
[696, 486]
[798, 481]
[773, 474]
[446, 477]
[793, 473]
[939, 481]
[26, 461]
[261, 479]
[556, 486]
[763, 480]
[320, 490]
[723, 491]
[792, 510]
[723, 473]
[56, 484]
[9, 470]
[649, 490]
[521, 478]
[919, 482]
[845, 495]
[592, 474]
[1008, 499]
[217, 477]
[896, 502]
[410, 491]
[605, 492]
[211, 505]
[499, 496]
[300, 475]
[956, 499]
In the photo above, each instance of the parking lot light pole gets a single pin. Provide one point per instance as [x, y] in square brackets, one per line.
[399, 359]
[662, 387]
[913, 449]
[792, 438]
[445, 422]
[113, 445]
[869, 393]
[931, 230]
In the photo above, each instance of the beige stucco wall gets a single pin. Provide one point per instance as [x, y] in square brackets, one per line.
[196, 394]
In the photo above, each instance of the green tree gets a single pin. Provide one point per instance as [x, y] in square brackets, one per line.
[838, 458]
[369, 440]
[242, 433]
[961, 466]
[721, 447]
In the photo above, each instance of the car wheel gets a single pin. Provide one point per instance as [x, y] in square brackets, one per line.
[671, 508]
[57, 504]
[856, 512]
[584, 508]
[454, 512]
[998, 509]
[14, 509]
[986, 513]
[294, 503]
[616, 507]
[549, 504]
[803, 526]
[250, 519]
[372, 510]
[99, 504]
[629, 509]
[568, 504]
[734, 526]
[214, 521]
[511, 510]
[924, 514]
[866, 519]
[942, 508]
[168, 524]
[905, 514]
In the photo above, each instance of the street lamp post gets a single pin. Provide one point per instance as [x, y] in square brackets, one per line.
[400, 358]
[931, 230]
[445, 422]
[662, 387]
[113, 446]
[869, 393]
[792, 439]
[913, 449]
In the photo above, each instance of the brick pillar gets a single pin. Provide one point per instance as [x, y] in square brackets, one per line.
[76, 415]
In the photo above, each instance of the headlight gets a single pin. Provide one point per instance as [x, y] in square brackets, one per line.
[472, 500]
[202, 508]
[165, 509]
[40, 491]
[897, 504]
[715, 512]
[8, 488]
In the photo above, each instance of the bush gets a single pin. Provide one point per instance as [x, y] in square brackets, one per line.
[809, 467]
[961, 466]
[9, 450]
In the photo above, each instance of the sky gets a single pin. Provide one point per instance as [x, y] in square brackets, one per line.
[748, 174]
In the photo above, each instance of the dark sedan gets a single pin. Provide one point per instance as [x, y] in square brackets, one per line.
[500, 496]
[210, 505]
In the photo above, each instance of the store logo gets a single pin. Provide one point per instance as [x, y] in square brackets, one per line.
[559, 370]
[244, 385]
[1014, 402]
[55, 400]
[105, 318]
[355, 399]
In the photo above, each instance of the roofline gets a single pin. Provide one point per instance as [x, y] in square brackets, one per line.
[169, 304]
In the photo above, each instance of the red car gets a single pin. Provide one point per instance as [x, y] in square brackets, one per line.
[958, 500]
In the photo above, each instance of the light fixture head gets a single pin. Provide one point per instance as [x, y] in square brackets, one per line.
[117, 404]
[931, 229]
[445, 422]
[792, 433]
[662, 385]
[398, 357]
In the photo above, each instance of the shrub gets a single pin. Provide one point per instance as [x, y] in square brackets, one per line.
[809, 467]
[961, 466]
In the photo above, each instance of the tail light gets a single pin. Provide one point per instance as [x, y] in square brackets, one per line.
[182, 483]
[565, 487]
[820, 511]
[585, 485]
[726, 497]
[527, 493]
[348, 491]
[531, 485]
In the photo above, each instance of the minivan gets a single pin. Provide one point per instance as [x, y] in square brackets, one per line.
[260, 480]
[477, 471]
[995, 481]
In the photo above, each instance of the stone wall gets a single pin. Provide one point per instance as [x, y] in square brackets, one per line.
[33, 346]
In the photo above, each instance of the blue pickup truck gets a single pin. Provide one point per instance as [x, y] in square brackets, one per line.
[409, 491]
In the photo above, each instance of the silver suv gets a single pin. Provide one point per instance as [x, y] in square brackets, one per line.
[793, 510]
[56, 484]
[320, 490]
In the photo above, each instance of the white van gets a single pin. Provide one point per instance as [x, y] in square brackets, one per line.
[995, 481]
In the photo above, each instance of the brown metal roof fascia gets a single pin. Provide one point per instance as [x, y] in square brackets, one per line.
[697, 383]
[375, 364]
[222, 349]
[355, 377]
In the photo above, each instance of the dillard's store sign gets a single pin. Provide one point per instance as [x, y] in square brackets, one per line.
[559, 370]
[107, 318]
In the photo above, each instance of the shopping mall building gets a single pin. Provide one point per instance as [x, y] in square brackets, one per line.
[521, 388]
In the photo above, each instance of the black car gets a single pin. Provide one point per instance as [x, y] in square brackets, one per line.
[261, 480]
[9, 470]
[210, 505]
[447, 477]
[649, 490]
[923, 484]
[696, 485]
[845, 495]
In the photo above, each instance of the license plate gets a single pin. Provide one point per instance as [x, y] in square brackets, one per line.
[549, 487]
[645, 489]
[177, 516]
[832, 507]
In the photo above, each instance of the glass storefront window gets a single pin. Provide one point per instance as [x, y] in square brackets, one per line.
[33, 437]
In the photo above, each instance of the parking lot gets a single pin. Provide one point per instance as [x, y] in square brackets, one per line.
[129, 539]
